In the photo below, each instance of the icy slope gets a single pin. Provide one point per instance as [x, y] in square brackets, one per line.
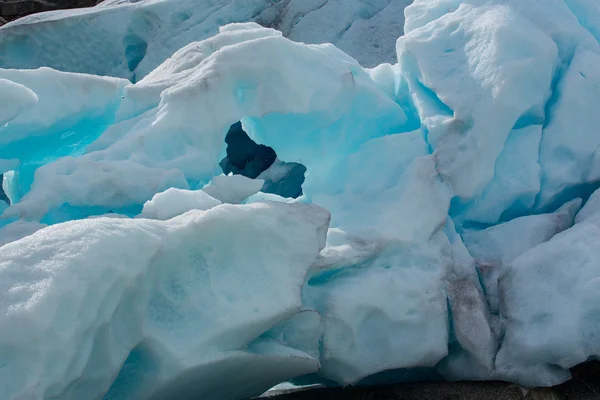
[129, 39]
[453, 182]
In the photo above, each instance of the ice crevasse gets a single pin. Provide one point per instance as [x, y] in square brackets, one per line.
[448, 227]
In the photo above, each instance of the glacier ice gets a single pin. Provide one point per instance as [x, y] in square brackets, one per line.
[173, 202]
[232, 189]
[549, 299]
[130, 38]
[437, 216]
[475, 47]
[574, 163]
[591, 209]
[17, 99]
[494, 248]
[147, 296]
[194, 87]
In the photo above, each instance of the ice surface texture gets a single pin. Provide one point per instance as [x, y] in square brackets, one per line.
[129, 38]
[444, 239]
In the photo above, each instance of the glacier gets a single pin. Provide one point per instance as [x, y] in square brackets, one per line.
[203, 199]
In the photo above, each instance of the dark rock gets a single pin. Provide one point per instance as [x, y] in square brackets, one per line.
[585, 385]
[13, 9]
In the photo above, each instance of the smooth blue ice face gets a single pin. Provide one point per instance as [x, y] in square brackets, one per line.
[59, 115]
[40, 149]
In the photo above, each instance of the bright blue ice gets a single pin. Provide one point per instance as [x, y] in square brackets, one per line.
[444, 231]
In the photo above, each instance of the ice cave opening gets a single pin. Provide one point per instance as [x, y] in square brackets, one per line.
[247, 158]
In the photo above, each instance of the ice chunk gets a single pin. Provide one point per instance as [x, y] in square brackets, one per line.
[568, 159]
[502, 243]
[113, 185]
[515, 185]
[380, 272]
[301, 332]
[407, 201]
[262, 196]
[440, 39]
[14, 100]
[232, 188]
[173, 202]
[51, 100]
[550, 305]
[249, 372]
[65, 113]
[421, 12]
[471, 84]
[400, 290]
[496, 247]
[147, 299]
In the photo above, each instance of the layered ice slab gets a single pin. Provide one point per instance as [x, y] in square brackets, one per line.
[457, 182]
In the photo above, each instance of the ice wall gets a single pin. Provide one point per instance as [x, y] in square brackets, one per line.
[453, 241]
